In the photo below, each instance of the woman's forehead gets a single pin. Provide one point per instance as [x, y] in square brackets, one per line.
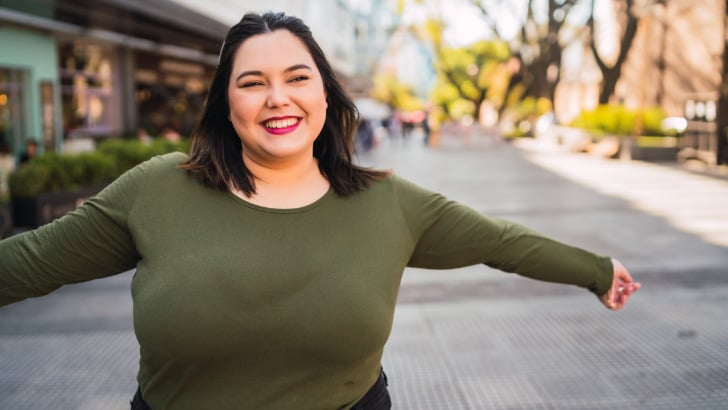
[272, 49]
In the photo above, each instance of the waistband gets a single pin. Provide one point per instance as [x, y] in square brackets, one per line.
[377, 398]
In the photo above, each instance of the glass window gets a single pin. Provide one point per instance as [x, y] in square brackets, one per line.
[169, 93]
[12, 100]
[86, 89]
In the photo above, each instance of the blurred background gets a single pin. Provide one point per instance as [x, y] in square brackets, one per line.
[599, 122]
[643, 79]
[74, 73]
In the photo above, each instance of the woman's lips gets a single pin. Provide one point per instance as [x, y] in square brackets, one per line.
[280, 126]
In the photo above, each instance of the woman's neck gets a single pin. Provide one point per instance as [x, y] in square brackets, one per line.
[290, 185]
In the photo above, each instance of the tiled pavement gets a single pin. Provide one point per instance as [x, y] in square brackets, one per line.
[479, 339]
[475, 338]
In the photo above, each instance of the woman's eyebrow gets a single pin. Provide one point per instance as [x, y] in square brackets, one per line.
[247, 73]
[260, 73]
[297, 67]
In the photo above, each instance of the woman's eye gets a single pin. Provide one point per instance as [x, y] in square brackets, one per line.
[299, 78]
[251, 84]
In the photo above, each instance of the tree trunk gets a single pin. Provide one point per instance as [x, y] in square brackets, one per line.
[722, 120]
[610, 75]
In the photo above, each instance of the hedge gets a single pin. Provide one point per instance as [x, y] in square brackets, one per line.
[53, 172]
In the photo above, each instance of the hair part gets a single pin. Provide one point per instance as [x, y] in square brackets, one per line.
[216, 150]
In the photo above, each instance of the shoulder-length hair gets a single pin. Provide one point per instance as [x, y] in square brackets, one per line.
[216, 151]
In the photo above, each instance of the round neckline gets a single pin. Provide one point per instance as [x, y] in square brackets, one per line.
[329, 192]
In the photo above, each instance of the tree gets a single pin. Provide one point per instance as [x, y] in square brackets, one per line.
[610, 74]
[398, 96]
[722, 117]
[467, 76]
[539, 43]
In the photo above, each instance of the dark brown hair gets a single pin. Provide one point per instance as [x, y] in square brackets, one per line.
[216, 151]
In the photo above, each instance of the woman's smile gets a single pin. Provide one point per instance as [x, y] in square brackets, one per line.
[281, 125]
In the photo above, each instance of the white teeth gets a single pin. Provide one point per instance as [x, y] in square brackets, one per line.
[281, 123]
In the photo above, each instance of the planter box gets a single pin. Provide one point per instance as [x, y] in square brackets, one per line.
[652, 149]
[654, 154]
[6, 219]
[34, 212]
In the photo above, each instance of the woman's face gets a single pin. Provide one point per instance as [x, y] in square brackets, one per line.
[277, 98]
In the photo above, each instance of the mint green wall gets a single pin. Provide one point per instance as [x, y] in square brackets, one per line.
[35, 52]
[40, 8]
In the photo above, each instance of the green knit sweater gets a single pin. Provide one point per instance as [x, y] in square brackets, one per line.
[240, 306]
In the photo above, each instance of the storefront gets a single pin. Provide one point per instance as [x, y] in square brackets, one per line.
[28, 98]
[88, 96]
[73, 70]
[13, 124]
[169, 92]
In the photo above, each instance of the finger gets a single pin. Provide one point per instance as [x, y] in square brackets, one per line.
[625, 292]
[627, 284]
[634, 287]
[620, 271]
[623, 276]
[619, 294]
[616, 300]
[622, 294]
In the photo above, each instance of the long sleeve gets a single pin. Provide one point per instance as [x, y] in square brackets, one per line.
[452, 235]
[90, 242]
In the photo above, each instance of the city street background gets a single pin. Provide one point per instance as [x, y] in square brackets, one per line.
[475, 338]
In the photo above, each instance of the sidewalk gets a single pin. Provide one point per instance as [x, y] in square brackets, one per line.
[479, 339]
[475, 338]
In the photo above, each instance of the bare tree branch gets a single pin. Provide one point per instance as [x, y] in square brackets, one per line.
[610, 75]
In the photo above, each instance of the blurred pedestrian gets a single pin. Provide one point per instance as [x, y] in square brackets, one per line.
[394, 125]
[31, 151]
[267, 262]
[364, 138]
[426, 127]
[143, 136]
[169, 132]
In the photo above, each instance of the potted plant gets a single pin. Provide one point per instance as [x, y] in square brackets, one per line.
[52, 184]
[629, 134]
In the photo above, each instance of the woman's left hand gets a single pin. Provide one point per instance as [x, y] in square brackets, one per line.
[622, 287]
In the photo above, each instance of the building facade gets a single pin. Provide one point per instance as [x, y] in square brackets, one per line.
[352, 33]
[75, 70]
[675, 62]
[71, 69]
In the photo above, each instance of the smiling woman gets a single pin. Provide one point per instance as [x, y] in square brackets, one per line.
[278, 109]
[287, 124]
[268, 264]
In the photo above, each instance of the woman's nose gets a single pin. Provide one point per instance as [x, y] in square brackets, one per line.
[277, 95]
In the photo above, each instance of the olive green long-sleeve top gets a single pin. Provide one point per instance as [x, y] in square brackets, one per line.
[240, 306]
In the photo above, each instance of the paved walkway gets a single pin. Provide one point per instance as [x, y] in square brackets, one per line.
[475, 338]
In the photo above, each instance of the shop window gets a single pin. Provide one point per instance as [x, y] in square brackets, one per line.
[169, 93]
[13, 123]
[86, 90]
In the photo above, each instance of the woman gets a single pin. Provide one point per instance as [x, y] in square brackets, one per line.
[267, 263]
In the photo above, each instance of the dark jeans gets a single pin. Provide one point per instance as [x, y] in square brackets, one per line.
[377, 398]
[138, 403]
